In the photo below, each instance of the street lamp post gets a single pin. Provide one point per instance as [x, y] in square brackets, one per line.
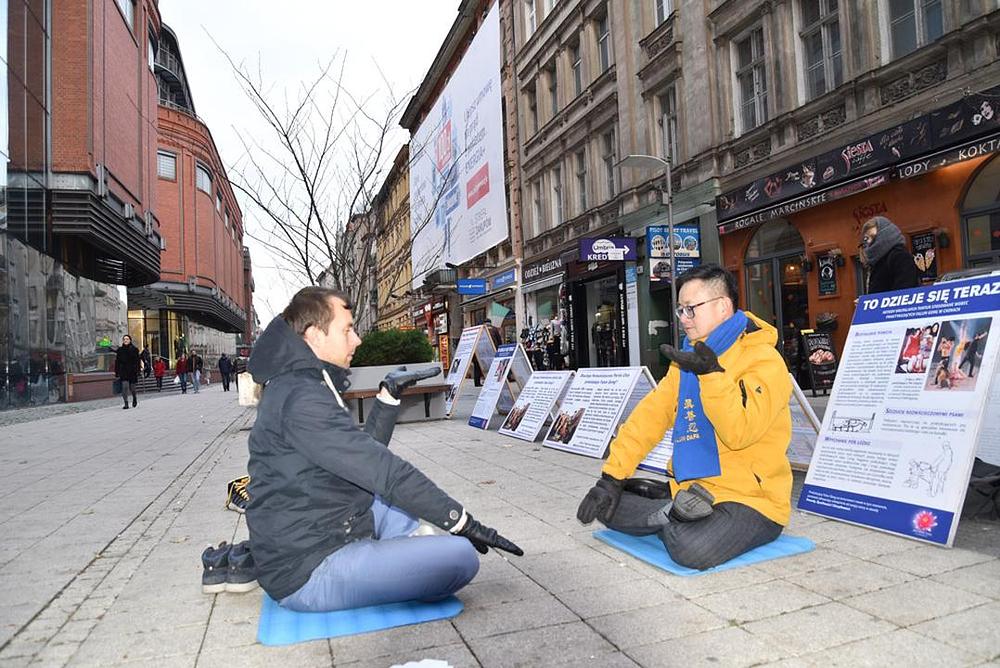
[667, 197]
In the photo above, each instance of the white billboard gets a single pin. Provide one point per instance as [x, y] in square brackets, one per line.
[458, 207]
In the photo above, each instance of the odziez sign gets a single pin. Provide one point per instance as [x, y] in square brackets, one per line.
[973, 116]
[607, 248]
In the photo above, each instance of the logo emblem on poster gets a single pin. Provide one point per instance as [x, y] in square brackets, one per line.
[924, 522]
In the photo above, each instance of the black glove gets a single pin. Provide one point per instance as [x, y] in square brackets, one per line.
[601, 501]
[702, 360]
[483, 538]
[400, 379]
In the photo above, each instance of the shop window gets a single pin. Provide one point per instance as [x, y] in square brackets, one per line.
[778, 237]
[981, 216]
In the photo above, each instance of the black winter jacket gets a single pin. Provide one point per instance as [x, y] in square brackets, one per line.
[895, 271]
[127, 363]
[313, 472]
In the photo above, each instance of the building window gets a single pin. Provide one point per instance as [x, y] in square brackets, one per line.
[821, 45]
[557, 196]
[128, 11]
[553, 90]
[203, 179]
[914, 23]
[608, 158]
[549, 6]
[751, 80]
[530, 19]
[664, 8]
[536, 207]
[581, 181]
[604, 41]
[577, 57]
[532, 99]
[166, 165]
[218, 202]
[668, 124]
[227, 220]
[151, 52]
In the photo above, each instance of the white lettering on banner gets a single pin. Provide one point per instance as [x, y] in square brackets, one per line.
[538, 269]
[979, 149]
[914, 169]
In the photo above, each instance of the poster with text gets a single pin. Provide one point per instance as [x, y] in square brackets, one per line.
[460, 362]
[687, 250]
[907, 409]
[988, 448]
[496, 384]
[458, 205]
[535, 403]
[592, 408]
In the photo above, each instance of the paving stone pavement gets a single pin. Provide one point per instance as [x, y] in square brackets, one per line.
[105, 513]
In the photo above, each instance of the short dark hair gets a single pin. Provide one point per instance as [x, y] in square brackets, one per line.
[310, 307]
[717, 276]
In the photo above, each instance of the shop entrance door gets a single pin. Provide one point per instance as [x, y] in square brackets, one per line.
[598, 319]
[776, 287]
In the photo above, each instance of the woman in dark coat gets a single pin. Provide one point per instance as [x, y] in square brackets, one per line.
[127, 369]
[890, 265]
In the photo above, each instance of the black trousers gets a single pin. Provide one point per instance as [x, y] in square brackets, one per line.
[225, 382]
[159, 383]
[728, 532]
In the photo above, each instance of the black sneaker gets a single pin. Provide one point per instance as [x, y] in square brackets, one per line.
[237, 497]
[215, 561]
[242, 573]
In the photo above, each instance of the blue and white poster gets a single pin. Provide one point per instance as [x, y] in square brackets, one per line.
[907, 410]
[687, 250]
[508, 356]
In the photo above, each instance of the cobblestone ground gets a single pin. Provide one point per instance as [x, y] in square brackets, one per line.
[105, 513]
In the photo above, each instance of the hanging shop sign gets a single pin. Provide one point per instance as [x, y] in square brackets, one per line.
[687, 250]
[542, 269]
[827, 266]
[924, 246]
[471, 286]
[502, 280]
[614, 249]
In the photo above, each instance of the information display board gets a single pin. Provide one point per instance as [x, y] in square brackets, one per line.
[474, 342]
[594, 404]
[496, 386]
[535, 404]
[907, 410]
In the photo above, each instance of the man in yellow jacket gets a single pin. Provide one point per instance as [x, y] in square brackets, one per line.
[726, 398]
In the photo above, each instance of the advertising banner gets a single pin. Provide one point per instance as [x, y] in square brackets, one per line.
[907, 409]
[592, 408]
[924, 246]
[632, 314]
[444, 351]
[535, 404]
[458, 207]
[821, 359]
[471, 286]
[494, 385]
[827, 266]
[607, 248]
[687, 250]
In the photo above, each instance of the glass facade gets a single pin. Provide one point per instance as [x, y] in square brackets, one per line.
[51, 322]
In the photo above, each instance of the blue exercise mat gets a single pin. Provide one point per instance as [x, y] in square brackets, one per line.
[279, 626]
[651, 550]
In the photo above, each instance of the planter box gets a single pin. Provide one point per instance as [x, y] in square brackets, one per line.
[413, 407]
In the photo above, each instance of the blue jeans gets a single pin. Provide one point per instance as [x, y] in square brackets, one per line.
[196, 381]
[390, 568]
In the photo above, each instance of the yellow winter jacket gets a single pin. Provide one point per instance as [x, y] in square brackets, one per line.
[747, 405]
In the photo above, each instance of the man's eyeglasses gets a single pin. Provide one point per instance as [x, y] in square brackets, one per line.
[688, 311]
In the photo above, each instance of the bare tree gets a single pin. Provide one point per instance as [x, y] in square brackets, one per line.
[314, 176]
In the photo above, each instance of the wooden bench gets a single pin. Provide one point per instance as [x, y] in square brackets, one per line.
[426, 391]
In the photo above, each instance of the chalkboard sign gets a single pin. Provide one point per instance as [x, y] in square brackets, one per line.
[820, 360]
[827, 265]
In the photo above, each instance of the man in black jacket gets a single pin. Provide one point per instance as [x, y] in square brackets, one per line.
[333, 512]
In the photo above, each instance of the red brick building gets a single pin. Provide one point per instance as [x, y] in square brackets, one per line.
[202, 296]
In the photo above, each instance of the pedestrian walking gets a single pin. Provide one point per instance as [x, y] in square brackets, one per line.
[147, 365]
[182, 371]
[195, 366]
[225, 370]
[159, 368]
[883, 249]
[127, 364]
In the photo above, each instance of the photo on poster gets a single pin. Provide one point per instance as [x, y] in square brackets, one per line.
[565, 425]
[929, 477]
[454, 365]
[501, 367]
[915, 351]
[958, 355]
[515, 416]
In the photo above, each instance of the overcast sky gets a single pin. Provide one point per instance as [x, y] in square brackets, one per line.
[400, 37]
